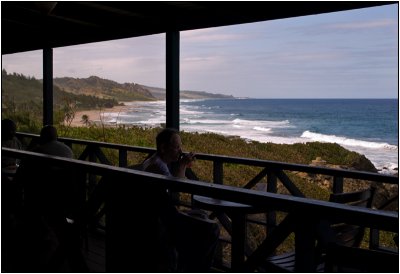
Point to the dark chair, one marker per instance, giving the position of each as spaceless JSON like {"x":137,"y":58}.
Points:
{"x":95,"y":204}
{"x":341,"y":258}
{"x":50,"y":225}
{"x":196,"y":241}
{"x":340,"y":233}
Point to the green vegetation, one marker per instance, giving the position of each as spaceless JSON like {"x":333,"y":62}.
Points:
{"x":22,"y":100}
{"x":103,"y":88}
{"x":18,"y":89}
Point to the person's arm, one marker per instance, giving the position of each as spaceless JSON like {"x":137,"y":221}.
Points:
{"x":184,"y":162}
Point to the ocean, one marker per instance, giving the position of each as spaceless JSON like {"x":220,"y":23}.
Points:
{"x":367,"y":126}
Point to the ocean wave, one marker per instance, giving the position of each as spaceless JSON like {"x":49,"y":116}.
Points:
{"x":265,"y":124}
{"x":262,"y":129}
{"x":191,"y":100}
{"x":346,"y":141}
{"x":203,"y":121}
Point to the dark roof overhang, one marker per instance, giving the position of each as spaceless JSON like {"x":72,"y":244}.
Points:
{"x":36,"y":25}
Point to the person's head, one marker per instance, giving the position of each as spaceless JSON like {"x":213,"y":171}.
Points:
{"x":48,"y":134}
{"x":8,"y":129}
{"x":169,"y":145}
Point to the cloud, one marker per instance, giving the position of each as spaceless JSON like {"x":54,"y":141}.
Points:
{"x":382,"y":23}
{"x":209,"y":36}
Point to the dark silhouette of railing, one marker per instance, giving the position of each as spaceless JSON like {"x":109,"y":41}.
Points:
{"x":274,"y":171}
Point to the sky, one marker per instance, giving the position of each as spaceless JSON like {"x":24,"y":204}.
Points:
{"x":350,"y":54}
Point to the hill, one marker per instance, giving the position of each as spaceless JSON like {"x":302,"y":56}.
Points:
{"x":91,"y":92}
{"x":159,"y":93}
{"x":22,"y":91}
{"x":103,"y":88}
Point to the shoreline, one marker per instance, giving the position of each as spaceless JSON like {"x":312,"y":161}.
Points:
{"x":382,"y":161}
{"x":95,"y":114}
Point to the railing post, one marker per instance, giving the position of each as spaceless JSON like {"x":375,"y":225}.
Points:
{"x":123,"y":157}
{"x":218,"y":172}
{"x":92,"y":178}
{"x":271,"y":215}
{"x":337,"y":184}
{"x":238,"y":240}
{"x":305,"y":233}
{"x":373,"y":238}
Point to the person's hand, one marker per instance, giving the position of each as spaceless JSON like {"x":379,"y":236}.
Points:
{"x":187,"y":159}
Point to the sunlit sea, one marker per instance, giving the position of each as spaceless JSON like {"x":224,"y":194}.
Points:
{"x":367,"y":126}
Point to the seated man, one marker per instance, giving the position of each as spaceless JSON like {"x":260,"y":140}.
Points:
{"x":52,"y":207}
{"x":169,"y":150}
{"x":193,"y":238}
{"x":50,"y":145}
{"x":9,"y":140}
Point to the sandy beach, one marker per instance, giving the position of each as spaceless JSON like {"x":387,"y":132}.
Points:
{"x":94,"y":115}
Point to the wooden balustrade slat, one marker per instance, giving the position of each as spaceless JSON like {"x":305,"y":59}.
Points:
{"x":100,"y":155}
{"x":271,"y":242}
{"x":256,"y":179}
{"x":289,"y":184}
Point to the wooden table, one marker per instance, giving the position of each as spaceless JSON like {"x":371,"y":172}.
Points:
{"x":237,"y":213}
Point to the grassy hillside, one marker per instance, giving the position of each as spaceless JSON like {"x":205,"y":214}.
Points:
{"x":22,"y":100}
{"x":211,"y":143}
{"x":159,"y":93}
{"x":18,"y":89}
{"x":103,"y":88}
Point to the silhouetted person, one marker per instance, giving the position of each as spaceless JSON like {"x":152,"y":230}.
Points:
{"x":48,"y":143}
{"x":52,"y":210}
{"x":8,"y":139}
{"x":11,"y":195}
{"x":190,"y":237}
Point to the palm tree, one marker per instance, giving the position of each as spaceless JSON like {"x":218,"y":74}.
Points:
{"x":85,"y":120}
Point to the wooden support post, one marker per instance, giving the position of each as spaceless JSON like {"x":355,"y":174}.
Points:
{"x":172,"y":79}
{"x":47,"y":86}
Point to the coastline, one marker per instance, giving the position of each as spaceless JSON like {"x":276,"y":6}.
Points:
{"x":95,"y":114}
{"x":201,"y":117}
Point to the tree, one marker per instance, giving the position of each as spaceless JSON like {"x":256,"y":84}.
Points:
{"x":85,"y":120}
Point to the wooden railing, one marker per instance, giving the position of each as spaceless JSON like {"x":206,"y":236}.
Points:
{"x":127,"y":215}
{"x":273,"y":171}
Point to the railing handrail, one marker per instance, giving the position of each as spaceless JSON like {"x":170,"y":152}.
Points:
{"x":385,"y":220}
{"x":362,"y":175}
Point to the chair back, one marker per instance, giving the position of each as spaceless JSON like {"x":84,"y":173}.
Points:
{"x":353,"y":259}
{"x":347,"y":234}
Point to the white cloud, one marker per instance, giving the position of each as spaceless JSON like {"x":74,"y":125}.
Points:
{"x":209,"y":36}
{"x":365,"y":24}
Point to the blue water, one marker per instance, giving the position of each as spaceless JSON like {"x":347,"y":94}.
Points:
{"x":374,"y":120}
{"x":367,"y":126}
